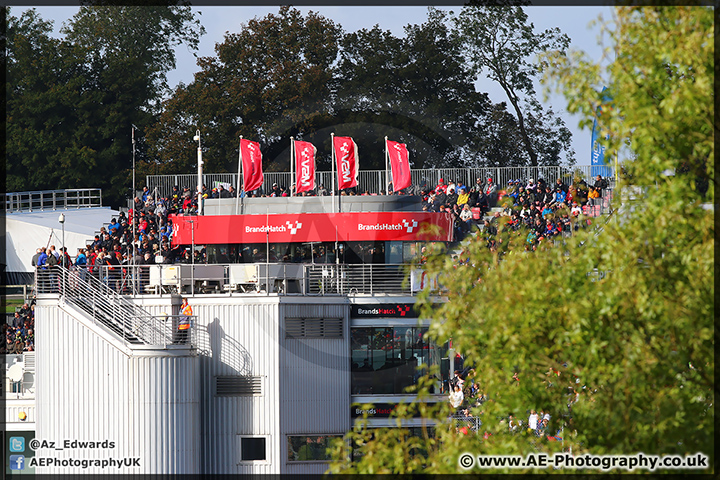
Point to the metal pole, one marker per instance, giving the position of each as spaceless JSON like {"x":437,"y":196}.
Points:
{"x":237,"y":198}
{"x":292,"y":165}
{"x":200,"y":170}
{"x":386,"y":169}
{"x":134,"y":223}
{"x":192,"y":259}
{"x":332,"y":165}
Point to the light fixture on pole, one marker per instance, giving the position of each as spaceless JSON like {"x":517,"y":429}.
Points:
{"x":132,"y":202}
{"x":200,"y":171}
{"x":61,"y":219}
{"x":192,"y":257}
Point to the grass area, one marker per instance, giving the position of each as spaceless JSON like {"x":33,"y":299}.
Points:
{"x":11,"y":303}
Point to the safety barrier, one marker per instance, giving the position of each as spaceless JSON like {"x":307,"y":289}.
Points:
{"x":42,"y":200}
{"x":96,"y":296}
{"x":375,"y":181}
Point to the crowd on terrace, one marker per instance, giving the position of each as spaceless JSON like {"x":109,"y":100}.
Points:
{"x":540,"y":209}
{"x":467,"y":398}
{"x":18,"y":333}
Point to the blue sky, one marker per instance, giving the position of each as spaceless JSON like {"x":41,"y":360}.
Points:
{"x":573,"y":21}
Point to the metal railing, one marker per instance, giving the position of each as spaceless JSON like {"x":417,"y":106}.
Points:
{"x":51,"y":200}
{"x":369,"y":279}
{"x":107,"y":307}
{"x":279,"y":278}
{"x":376,"y":181}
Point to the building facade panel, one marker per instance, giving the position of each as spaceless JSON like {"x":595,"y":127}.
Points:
{"x":133,"y":407}
{"x":239,"y":337}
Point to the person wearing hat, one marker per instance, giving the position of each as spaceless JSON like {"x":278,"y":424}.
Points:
{"x":275,"y":192}
{"x":491,"y":192}
{"x":441,"y":187}
{"x":222,"y":193}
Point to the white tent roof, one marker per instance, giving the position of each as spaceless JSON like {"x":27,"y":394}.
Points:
{"x":26,"y":232}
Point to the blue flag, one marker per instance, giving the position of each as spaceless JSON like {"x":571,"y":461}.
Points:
{"x":597,"y":152}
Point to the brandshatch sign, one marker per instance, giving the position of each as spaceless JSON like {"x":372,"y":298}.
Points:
{"x":383,"y":310}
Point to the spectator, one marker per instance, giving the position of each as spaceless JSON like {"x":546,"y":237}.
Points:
{"x":463,"y":197}
{"x":441,"y":187}
{"x":66,"y":260}
{"x":456,"y":398}
{"x":452,"y":196}
{"x":35,"y":258}
{"x":559,"y":183}
{"x":600,"y":185}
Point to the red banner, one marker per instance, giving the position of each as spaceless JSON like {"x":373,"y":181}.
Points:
{"x":304,"y":166}
{"x":399,"y":165}
{"x":346,"y":158}
{"x":252,"y":165}
{"x":312,"y":227}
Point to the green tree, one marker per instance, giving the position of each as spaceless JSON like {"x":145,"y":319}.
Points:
{"x":269,"y":81}
{"x":417,"y":85}
{"x":72,"y":102}
{"x":500,"y":42}
{"x":628,"y":356}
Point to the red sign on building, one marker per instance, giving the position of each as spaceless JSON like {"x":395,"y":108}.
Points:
{"x":312,"y":227}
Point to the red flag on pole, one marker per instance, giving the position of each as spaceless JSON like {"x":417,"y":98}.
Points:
{"x":399,"y":164}
{"x":252,"y":165}
{"x":304,"y":166}
{"x":346,"y":156}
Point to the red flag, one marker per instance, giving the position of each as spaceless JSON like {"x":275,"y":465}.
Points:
{"x":304,"y":166}
{"x":252,"y":165}
{"x":346,"y":158}
{"x":399,"y":164}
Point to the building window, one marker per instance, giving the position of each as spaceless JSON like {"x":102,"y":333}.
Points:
{"x":310,"y":448}
{"x":253,"y":449}
{"x":385,"y":359}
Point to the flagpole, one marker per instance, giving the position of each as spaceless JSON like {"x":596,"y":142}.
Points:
{"x":387,"y":177}
{"x":292,"y":165}
{"x":237,"y":198}
{"x":332,"y":164}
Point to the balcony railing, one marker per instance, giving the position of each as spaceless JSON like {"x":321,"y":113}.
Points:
{"x":43,"y":200}
{"x":99,"y":296}
{"x":273,"y":278}
{"x":376,"y":181}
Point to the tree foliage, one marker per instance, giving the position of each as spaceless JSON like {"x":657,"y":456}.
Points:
{"x":500,"y":43}
{"x":288,"y":75}
{"x":637,"y":343}
{"x":72,"y":101}
{"x":269,"y":81}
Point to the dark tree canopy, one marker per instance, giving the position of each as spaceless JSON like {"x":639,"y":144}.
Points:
{"x":72,"y":102}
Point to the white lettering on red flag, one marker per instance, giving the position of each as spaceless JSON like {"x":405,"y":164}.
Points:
{"x":346,"y":156}
{"x":399,"y":165}
{"x":252,"y":165}
{"x":304,"y":166}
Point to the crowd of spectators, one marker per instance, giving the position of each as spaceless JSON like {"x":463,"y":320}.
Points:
{"x":540,"y":209}
{"x":467,"y":399}
{"x":18,"y":333}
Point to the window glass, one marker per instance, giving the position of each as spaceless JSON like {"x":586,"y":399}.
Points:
{"x":411,"y":432}
{"x":394,"y":253}
{"x":252,"y":448}
{"x":307,"y":448}
{"x":385,"y":359}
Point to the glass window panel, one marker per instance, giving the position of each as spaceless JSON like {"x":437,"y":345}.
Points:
{"x":252,"y":448}
{"x":309,"y":448}
{"x":384,"y":360}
